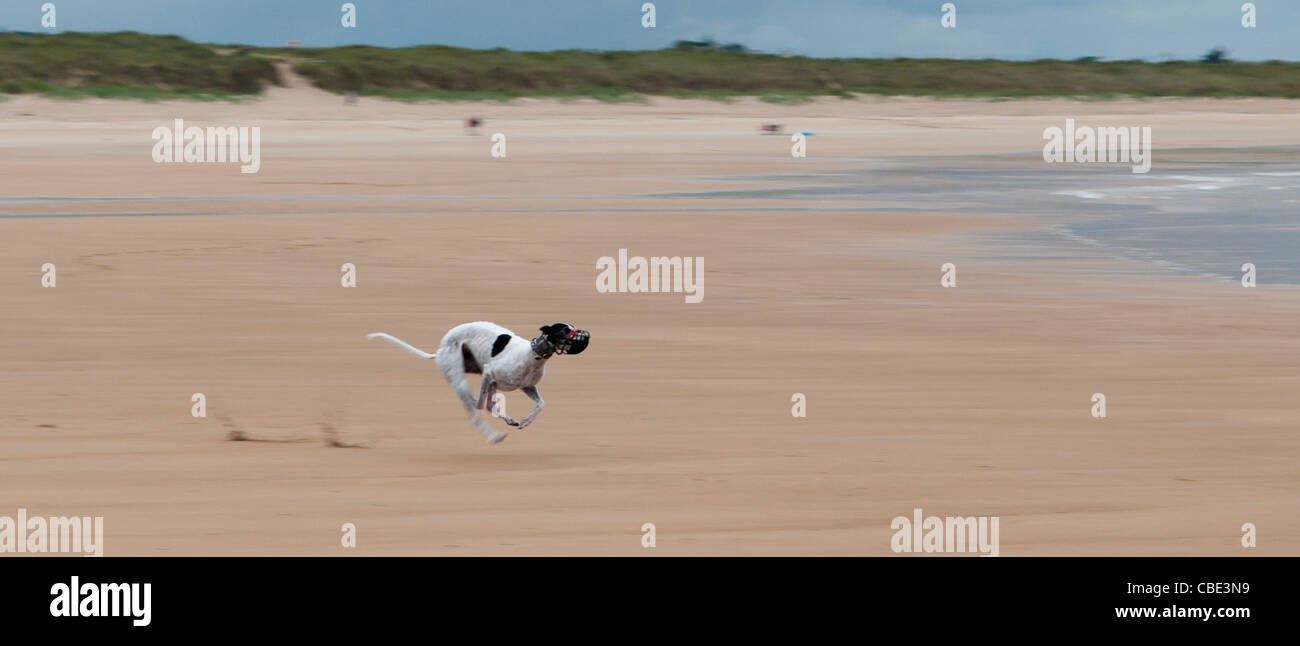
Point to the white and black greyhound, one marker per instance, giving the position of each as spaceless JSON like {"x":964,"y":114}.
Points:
{"x":506,"y":362}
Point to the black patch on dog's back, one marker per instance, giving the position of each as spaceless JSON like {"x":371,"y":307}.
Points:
{"x":500,"y":344}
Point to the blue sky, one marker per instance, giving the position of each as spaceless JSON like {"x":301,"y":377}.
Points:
{"x":1011,"y":29}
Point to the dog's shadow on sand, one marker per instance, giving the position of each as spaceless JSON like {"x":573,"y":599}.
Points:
{"x":329,"y":433}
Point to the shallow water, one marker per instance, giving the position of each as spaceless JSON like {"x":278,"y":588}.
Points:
{"x":1197,"y":211}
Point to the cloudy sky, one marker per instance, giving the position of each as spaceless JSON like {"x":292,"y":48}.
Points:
{"x":1010,"y":29}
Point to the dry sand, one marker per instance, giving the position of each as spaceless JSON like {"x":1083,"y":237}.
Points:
{"x":966,"y":401}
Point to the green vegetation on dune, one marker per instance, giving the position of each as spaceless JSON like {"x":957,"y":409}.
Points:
{"x":117,"y":92}
{"x":720,"y":73}
{"x":136,"y":65}
{"x":127,"y":65}
{"x":609,"y":95}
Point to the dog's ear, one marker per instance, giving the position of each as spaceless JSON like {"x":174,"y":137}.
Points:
{"x":556,"y":329}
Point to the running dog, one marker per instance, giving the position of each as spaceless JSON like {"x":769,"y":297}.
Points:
{"x":506,"y":362}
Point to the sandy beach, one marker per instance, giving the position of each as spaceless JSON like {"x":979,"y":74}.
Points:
{"x":175,"y":279}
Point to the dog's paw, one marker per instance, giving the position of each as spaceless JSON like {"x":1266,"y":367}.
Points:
{"x":510,"y":421}
{"x":496,"y":438}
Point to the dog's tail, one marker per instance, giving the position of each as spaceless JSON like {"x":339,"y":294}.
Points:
{"x":401,"y":344}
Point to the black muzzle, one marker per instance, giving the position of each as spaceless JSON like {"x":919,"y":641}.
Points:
{"x":575,"y":343}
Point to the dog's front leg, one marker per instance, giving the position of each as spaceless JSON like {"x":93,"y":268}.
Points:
{"x":498,"y":410}
{"x":484,"y":391}
{"x":536,"y":396}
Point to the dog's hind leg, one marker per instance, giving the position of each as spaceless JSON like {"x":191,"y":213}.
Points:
{"x":453,"y":368}
{"x":536,"y":396}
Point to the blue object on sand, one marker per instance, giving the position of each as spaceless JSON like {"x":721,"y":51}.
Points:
{"x":808,"y":133}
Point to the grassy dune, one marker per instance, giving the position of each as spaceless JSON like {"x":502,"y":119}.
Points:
{"x":127,"y":65}
{"x":447,"y":70}
{"x":136,"y":65}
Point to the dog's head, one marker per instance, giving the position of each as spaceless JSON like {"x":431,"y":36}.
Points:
{"x":562,"y":338}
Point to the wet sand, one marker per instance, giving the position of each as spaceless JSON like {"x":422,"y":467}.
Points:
{"x":966,"y":401}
